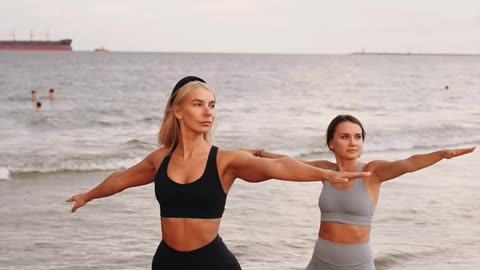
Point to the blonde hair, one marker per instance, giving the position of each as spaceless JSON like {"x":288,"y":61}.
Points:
{"x":169,"y":134}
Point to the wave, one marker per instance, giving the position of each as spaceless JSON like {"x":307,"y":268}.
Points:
{"x":45,"y":121}
{"x":112,"y":121}
{"x":403,"y":257}
{"x":355,"y":107}
{"x":151,"y":119}
{"x":44,"y":160}
{"x":138,"y":145}
{"x":22,"y":99}
{"x":70,"y":166}
{"x":131,"y":151}
{"x":137,"y":142}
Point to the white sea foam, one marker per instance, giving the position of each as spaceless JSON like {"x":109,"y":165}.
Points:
{"x":76,"y":166}
{"x":4,"y":174}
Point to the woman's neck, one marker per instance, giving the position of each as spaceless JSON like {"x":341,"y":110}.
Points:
{"x":188,"y":148}
{"x":347,"y":165}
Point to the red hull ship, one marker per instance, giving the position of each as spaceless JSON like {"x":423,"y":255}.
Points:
{"x":101,"y":49}
{"x":36,"y":45}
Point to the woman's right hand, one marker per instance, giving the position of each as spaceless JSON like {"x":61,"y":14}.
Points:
{"x":79,"y":200}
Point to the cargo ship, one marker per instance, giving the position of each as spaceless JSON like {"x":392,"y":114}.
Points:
{"x":36,"y":45}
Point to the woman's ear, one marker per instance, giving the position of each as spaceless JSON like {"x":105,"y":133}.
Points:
{"x":330,"y":145}
{"x":177,"y":112}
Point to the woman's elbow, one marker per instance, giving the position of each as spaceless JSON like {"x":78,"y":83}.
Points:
{"x":118,"y":183}
{"x":255,"y":180}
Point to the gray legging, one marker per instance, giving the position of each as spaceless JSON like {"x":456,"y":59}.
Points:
{"x":332,"y":256}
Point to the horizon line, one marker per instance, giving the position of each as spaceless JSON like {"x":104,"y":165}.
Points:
{"x":294,"y":53}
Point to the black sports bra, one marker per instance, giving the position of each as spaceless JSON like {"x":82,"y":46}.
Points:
{"x":203,"y":198}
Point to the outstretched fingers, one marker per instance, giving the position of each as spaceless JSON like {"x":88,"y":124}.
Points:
{"x":343,"y":177}
{"x":464,"y":151}
{"x":79,"y":202}
{"x":458,"y":152}
{"x":354,"y":175}
{"x":74,"y":208}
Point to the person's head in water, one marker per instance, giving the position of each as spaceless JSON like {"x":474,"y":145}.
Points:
{"x":35,"y":96}
{"x":38,"y":106}
{"x":51,"y":94}
{"x":187,"y":101}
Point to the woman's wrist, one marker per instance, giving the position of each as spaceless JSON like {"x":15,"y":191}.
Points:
{"x":329,"y":175}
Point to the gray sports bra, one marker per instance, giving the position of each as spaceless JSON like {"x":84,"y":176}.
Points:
{"x":352,"y":206}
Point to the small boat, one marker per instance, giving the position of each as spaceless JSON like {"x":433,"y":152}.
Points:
{"x":101,"y":49}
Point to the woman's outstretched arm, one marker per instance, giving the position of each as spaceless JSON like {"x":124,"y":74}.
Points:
{"x":324,"y":164}
{"x":140,"y":174}
{"x":385,"y":170}
{"x":254,"y":169}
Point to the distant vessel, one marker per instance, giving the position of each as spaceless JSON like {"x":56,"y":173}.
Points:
{"x":101,"y":49}
{"x":35,"y":45}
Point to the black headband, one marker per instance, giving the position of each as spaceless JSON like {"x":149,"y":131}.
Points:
{"x":181,"y":83}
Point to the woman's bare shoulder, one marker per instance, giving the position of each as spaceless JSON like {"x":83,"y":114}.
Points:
{"x":372,"y":165}
{"x":229,"y":156}
{"x":230,"y":153}
{"x":158,"y":155}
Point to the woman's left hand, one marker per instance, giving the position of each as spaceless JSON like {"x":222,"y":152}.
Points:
{"x":448,"y":154}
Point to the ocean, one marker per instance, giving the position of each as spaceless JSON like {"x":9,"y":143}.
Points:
{"x":109,"y":110}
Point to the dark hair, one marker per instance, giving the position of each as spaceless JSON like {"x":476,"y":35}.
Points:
{"x":181,"y":83}
{"x":39,"y":104}
{"x":51,"y":90}
{"x":33,"y":91}
{"x":338,"y":120}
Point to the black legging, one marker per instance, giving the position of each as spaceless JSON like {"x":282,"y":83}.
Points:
{"x":213,"y":256}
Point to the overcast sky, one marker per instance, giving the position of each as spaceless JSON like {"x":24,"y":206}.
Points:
{"x":259,"y":26}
